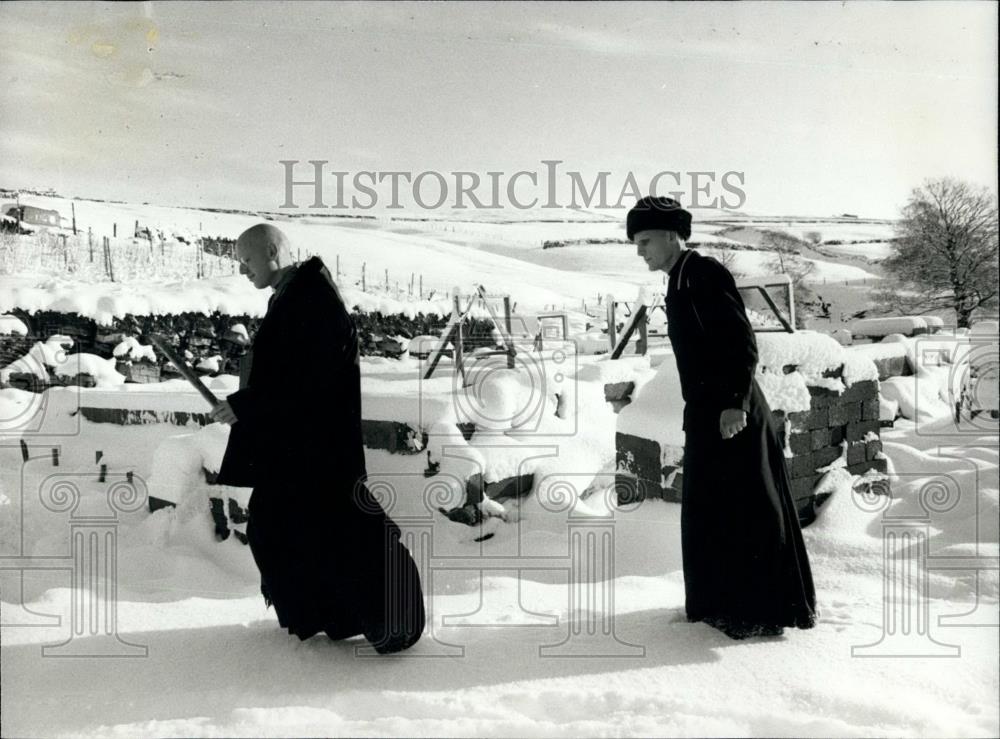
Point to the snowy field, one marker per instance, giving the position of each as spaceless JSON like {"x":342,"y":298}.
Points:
{"x":906,"y":644}
{"x":507,"y":258}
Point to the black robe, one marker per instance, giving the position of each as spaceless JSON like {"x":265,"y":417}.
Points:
{"x":329,"y":556}
{"x":745,"y":563}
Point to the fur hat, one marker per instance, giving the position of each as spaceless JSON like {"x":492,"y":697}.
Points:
{"x":658,"y":213}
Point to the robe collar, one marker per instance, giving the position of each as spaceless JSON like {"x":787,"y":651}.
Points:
{"x":676,"y":272}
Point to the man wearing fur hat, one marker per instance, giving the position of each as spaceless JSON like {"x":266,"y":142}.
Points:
{"x":746,"y":571}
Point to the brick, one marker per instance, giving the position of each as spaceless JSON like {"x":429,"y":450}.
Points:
{"x":823,"y":457}
{"x":844,"y":413}
{"x":510,"y":487}
{"x":219,"y":518}
{"x":799,"y":420}
{"x":818,"y":439}
{"x":618,"y":391}
{"x":821,"y":499}
{"x":864,"y":390}
{"x":156,"y":504}
{"x":801,"y":466}
{"x":816,"y":418}
{"x":82,"y":379}
{"x":879,"y":465}
{"x":835,"y":373}
{"x":857,"y":431}
{"x":802,"y":487}
{"x":871,"y":449}
{"x":819,"y":419}
{"x":639,"y":456}
{"x":892,"y":367}
{"x":821,"y":397}
{"x":855,"y":452}
{"x":800,"y":443}
{"x":675,"y":490}
{"x":631,"y":489}
{"x":237,"y":514}
{"x":870,"y":410}
{"x":806,"y":510}
{"x":836,"y":435}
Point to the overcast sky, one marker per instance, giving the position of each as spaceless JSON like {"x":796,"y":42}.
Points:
{"x":825,"y":108}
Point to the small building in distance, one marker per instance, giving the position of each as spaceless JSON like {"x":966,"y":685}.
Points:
{"x":33,"y":216}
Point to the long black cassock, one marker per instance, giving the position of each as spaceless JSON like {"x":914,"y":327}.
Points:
{"x":745,"y":562}
{"x":329,"y":556}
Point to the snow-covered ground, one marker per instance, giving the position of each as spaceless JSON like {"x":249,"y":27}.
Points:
{"x":209,"y":659}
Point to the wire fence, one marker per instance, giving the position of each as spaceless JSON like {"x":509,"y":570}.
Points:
{"x":88,"y":258}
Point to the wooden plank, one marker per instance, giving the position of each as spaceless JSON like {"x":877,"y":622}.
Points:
{"x":638,"y":315}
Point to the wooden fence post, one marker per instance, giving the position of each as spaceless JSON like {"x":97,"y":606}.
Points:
{"x":507,"y":325}
{"x":108,"y":264}
{"x":73,"y":207}
{"x":459,"y":336}
{"x":612,"y":328}
{"x":363,"y":286}
{"x":90,"y":243}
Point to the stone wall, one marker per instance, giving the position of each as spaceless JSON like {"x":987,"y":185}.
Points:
{"x":836,"y":424}
{"x":204,"y":336}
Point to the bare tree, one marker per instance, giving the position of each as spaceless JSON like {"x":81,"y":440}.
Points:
{"x":727,"y":257}
{"x":945,"y":254}
{"x":787,"y":260}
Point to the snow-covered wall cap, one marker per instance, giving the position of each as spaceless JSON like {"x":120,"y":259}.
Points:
{"x":812,"y":354}
{"x":232,"y":295}
{"x":906,"y":325}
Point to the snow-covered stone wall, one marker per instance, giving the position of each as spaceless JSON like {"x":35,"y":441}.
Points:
{"x":213,"y":344}
{"x":825,"y":405}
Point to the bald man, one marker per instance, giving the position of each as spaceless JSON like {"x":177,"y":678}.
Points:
{"x":329,"y":556}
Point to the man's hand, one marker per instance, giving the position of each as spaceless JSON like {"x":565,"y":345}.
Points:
{"x":731,"y":422}
{"x":223,"y":413}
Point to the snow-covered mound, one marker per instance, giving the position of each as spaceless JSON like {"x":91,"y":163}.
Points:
{"x":129,"y":348}
{"x":12,"y":326}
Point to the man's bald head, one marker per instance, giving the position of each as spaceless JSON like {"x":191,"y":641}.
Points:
{"x":263,"y":252}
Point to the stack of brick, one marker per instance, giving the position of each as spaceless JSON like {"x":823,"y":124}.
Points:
{"x":836,"y":425}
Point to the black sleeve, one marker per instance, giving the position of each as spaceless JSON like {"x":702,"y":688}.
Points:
{"x":314,"y":352}
{"x":733,"y":347}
